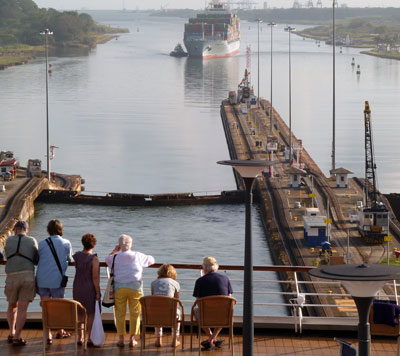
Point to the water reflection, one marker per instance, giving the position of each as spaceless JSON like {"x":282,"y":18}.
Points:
{"x":210,"y":80}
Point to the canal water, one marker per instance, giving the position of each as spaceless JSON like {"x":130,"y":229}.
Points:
{"x":130,"y":118}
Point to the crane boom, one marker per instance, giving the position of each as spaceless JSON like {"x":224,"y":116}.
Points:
{"x":370,"y":181}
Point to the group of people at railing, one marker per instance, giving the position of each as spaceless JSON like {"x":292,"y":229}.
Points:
{"x":52,"y":255}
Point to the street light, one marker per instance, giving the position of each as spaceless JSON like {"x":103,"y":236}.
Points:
{"x":290,"y":29}
{"x":363,"y":282}
{"x":334,"y":4}
{"x":258,"y":60}
{"x":271,"y":109}
{"x":46,"y":33}
{"x":249,"y":170}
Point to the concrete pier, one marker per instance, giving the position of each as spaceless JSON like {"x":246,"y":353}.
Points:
{"x":283,"y":207}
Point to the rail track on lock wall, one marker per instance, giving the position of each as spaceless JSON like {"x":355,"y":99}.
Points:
{"x":289,"y":243}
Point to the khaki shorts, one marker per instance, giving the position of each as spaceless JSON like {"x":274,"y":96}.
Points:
{"x":20,"y":286}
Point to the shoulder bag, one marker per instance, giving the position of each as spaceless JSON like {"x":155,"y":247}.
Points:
{"x":108,"y":299}
{"x":64,"y":279}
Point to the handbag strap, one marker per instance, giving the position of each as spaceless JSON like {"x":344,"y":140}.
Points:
{"x":112,"y":266}
{"x":53,"y":251}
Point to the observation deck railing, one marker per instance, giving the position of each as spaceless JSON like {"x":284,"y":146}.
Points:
{"x":275,"y":305}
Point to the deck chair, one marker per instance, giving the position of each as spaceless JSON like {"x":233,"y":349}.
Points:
{"x":63,"y":314}
{"x":213,"y":312}
{"x":345,"y":348}
{"x":160,"y":311}
{"x":384,"y":330}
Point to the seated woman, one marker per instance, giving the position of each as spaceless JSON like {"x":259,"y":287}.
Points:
{"x":167,"y":285}
{"x":128,"y":270}
{"x":87,"y":280}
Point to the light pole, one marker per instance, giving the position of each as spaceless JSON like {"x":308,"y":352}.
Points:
{"x":258,"y":60}
{"x":271,"y":109}
{"x":249,"y":170}
{"x":290,"y":29}
{"x":46,"y":33}
{"x":334,"y":3}
{"x":363,"y":282}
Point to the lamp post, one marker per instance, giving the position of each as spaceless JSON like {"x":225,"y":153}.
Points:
{"x":334,"y":3}
{"x":46,"y":33}
{"x":271,"y":109}
{"x":258,"y":61}
{"x":290,"y":29}
{"x":363,"y":282}
{"x":249,"y":170}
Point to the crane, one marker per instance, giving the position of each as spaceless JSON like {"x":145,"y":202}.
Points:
{"x":374,"y":216}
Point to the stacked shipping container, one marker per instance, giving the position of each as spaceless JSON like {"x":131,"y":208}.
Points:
{"x":219,"y":26}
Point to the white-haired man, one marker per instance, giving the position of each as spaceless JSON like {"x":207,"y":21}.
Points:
{"x":212,"y":283}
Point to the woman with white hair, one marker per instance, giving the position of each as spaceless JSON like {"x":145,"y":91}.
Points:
{"x":128,"y":270}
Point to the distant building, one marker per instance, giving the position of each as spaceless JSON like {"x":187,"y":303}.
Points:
{"x":341,"y":175}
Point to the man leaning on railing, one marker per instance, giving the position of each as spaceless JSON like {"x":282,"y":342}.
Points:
{"x":22,"y":254}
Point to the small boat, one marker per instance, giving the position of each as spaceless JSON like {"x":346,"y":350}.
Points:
{"x":178,"y":51}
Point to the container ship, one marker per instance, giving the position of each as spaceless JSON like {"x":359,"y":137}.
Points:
{"x":212,"y":34}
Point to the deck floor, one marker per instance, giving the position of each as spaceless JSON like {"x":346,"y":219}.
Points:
{"x":276,"y":344}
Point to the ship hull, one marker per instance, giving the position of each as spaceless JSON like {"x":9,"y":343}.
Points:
{"x":208,"y":49}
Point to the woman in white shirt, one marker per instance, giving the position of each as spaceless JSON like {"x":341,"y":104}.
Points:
{"x":128,"y":269}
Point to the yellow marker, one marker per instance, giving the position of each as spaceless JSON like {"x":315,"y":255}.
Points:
{"x":256,"y":127}
{"x":312,"y":195}
{"x":259,"y":135}
{"x":387,"y":238}
{"x":328,"y":221}
{"x":277,"y":131}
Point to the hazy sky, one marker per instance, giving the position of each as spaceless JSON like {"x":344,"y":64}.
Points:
{"x":194,"y":4}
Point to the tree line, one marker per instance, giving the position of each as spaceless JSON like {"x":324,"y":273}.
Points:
{"x":22,"y":20}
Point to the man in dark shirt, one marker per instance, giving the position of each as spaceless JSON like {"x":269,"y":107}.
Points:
{"x":212,"y":283}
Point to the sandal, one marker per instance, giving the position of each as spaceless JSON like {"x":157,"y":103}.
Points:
{"x":219,"y":343}
{"x":64,"y":335}
{"x":19,"y":342}
{"x":206,"y":344}
{"x":132,"y":343}
{"x":10,"y":339}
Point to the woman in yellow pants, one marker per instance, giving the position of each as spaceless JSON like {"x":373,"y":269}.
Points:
{"x":128,"y":270}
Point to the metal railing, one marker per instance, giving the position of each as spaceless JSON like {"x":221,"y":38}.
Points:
{"x":291,"y":298}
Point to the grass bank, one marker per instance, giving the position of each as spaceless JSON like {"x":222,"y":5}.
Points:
{"x":21,"y":54}
{"x":375,"y":53}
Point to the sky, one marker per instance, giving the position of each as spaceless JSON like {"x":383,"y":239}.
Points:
{"x":193,"y":4}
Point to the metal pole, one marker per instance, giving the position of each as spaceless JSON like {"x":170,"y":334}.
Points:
{"x":271,"y":108}
{"x":258,"y":62}
{"x":47,"y":108}
{"x":46,"y":33}
{"x":290,"y":102}
{"x":334,"y":87}
{"x":364,"y":336}
{"x":248,"y":326}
